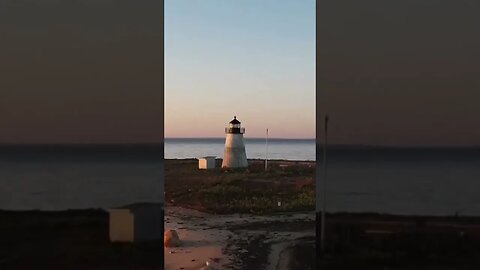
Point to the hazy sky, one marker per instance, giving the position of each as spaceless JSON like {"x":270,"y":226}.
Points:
{"x":80,"y":71}
{"x":402,"y":72}
{"x":249,"y":58}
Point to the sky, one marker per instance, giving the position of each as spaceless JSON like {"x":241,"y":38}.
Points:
{"x":251,"y":59}
{"x":83,"y":71}
{"x":401,"y":73}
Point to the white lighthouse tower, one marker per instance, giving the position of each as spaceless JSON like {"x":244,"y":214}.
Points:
{"x":235,"y":155}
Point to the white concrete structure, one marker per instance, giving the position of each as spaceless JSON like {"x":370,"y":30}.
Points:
{"x":207,"y":162}
{"x":139,"y":222}
{"x":234,"y":155}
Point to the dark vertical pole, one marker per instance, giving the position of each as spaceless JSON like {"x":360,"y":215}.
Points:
{"x":266,"y":150}
{"x":324,"y":197}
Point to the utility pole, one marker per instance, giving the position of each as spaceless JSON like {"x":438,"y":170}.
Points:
{"x":324,"y":201}
{"x":266,"y":151}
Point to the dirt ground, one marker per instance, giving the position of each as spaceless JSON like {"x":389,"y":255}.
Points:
{"x":240,"y":241}
{"x":377,"y":241}
{"x":78,"y":239}
{"x":74,"y":239}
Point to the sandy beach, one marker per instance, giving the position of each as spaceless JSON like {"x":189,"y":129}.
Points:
{"x":236,"y":241}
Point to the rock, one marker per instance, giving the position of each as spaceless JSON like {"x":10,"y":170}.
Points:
{"x":170,"y":238}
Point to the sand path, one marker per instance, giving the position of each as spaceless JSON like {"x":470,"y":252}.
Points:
{"x":216,"y":239}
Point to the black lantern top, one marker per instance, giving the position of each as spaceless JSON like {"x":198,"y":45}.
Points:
{"x":234,"y":121}
{"x":235,"y":127}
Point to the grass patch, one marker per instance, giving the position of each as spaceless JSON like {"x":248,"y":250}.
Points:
{"x":240,"y":197}
{"x":251,"y":190}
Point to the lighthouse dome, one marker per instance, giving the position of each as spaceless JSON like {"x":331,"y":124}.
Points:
{"x":234,"y":121}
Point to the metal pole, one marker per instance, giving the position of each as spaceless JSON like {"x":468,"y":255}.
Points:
{"x":324,"y":201}
{"x":266,"y":151}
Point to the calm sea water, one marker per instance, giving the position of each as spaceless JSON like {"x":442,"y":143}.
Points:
{"x":408,"y":181}
{"x":76,"y":178}
{"x":291,"y":149}
{"x":403,"y":181}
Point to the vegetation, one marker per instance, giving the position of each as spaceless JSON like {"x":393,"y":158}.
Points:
{"x":251,"y":190}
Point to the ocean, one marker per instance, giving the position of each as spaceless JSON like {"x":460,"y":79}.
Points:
{"x":79,"y":177}
{"x":436,"y":181}
{"x":290,"y":149}
{"x":428,"y":181}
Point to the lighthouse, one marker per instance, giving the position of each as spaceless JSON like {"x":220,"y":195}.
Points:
{"x":234,"y":155}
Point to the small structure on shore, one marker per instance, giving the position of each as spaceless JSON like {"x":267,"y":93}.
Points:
{"x":205,"y":163}
{"x":234,"y":155}
{"x":141,"y":222}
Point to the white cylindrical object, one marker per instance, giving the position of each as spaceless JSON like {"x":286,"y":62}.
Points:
{"x":234,"y":155}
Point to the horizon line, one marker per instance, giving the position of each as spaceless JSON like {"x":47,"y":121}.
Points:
{"x":282,"y":138}
{"x":318,"y":143}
